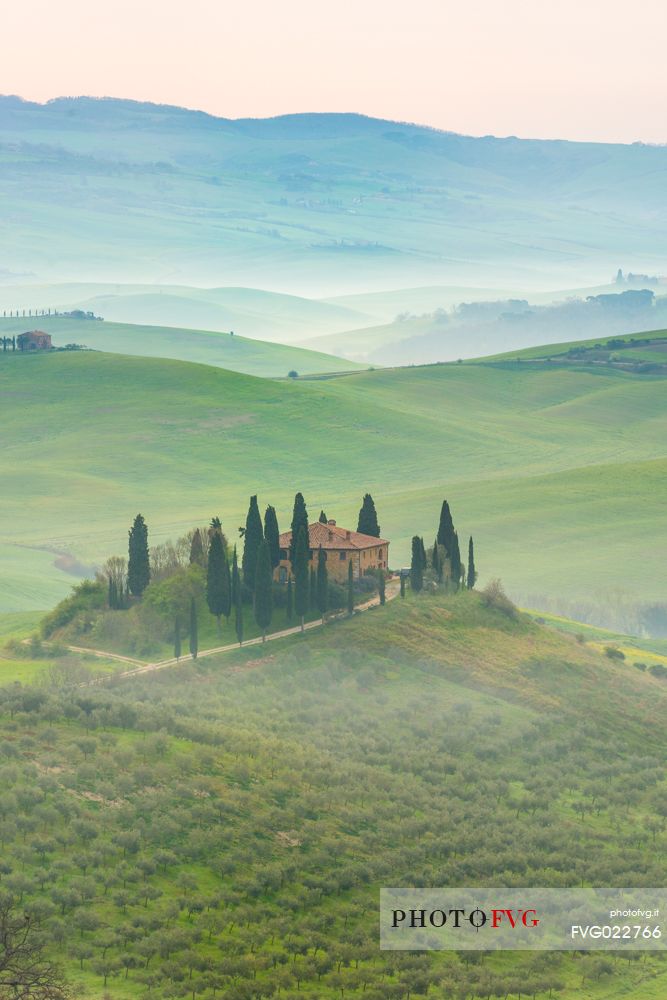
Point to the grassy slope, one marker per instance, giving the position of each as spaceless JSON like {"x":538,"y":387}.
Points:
{"x":378,"y":743}
{"x":250,"y":312}
{"x":252,"y":357}
{"x":558,"y":473}
{"x":554,"y":350}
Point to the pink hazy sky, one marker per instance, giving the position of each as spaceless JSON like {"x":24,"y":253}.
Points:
{"x":578,"y":69}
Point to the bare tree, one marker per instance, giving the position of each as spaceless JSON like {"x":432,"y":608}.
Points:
{"x":25,"y":974}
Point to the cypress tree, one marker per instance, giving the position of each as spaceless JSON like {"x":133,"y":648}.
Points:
{"x":238,"y":609}
{"x":299,"y":520}
{"x":138,"y":566}
{"x":350,"y":588}
{"x":402,"y":585}
{"x":236,"y":579}
{"x":423,"y":554}
{"x":322,"y":583}
{"x":217,"y":580}
{"x":226,"y":585}
{"x":272,"y":535}
{"x":472,"y":572}
{"x":290,"y":599}
{"x":263,"y":597}
{"x":252,"y":539}
{"x":121,"y":597}
{"x":312,"y":596}
{"x":323,"y":518}
{"x":382,"y":587}
{"x":177,"y":639}
{"x":455,"y":562}
{"x":194,"y":637}
{"x":197,"y":554}
{"x":436,"y":563}
{"x":417,"y":565}
{"x":300,"y":567}
{"x":446,"y":529}
{"x":368,"y":521}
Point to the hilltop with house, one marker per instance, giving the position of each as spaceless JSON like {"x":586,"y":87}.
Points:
{"x":341,"y":546}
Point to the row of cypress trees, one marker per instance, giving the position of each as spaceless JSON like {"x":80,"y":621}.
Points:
{"x":444,"y":558}
{"x":307,"y":588}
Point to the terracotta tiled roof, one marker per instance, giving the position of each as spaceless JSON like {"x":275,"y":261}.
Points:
{"x":330,"y":536}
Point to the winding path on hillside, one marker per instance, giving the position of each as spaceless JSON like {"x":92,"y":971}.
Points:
{"x":139,"y":667}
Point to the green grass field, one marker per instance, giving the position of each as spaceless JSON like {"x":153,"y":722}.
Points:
{"x":251,"y":357}
{"x":649,"y":353}
{"x":557,"y":472}
{"x":227,"y":825}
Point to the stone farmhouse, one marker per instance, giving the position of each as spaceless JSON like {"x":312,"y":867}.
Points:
{"x":341,"y":547}
{"x":34,"y":340}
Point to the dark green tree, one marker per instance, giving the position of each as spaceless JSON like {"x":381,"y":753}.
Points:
{"x":368,"y":521}
{"x":423,"y":554}
{"x":218,"y":582}
{"x":417,"y":565}
{"x":235,"y":578}
{"x":350,"y":588}
{"x":194,"y":637}
{"x":455,"y":562}
{"x":252,"y":539}
{"x":238,"y":610}
{"x":323,"y":518}
{"x":299,"y":520}
{"x":272,"y":535}
{"x":382,"y":587}
{"x":312,"y":596}
{"x":197,"y":554}
{"x":436,"y":562}
{"x":177,"y":639}
{"x":138,"y":566}
{"x":263,"y":597}
{"x":322,"y":583}
{"x":446,"y":529}
{"x":472,"y":572}
{"x":301,"y":577}
{"x":290,"y":599}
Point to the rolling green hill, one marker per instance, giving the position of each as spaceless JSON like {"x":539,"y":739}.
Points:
{"x":478,"y":329}
{"x":558,"y":472}
{"x":225,"y":826}
{"x":556,"y":351}
{"x":314,"y":204}
{"x":250,"y":312}
{"x":240,"y":354}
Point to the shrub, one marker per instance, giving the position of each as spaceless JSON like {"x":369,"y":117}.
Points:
{"x":639,"y":665}
{"x":494,"y":596}
{"x":658,"y":671}
{"x":613,"y":653}
{"x":337,"y":595}
{"x":171,"y":596}
{"x":88,"y":596}
{"x":366,"y":584}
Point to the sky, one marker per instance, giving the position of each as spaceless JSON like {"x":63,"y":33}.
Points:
{"x":575,"y":69}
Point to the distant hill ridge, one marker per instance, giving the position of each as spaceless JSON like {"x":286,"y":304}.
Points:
{"x":314,"y":203}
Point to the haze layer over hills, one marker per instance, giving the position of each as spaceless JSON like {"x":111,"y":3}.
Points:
{"x":315,"y":204}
